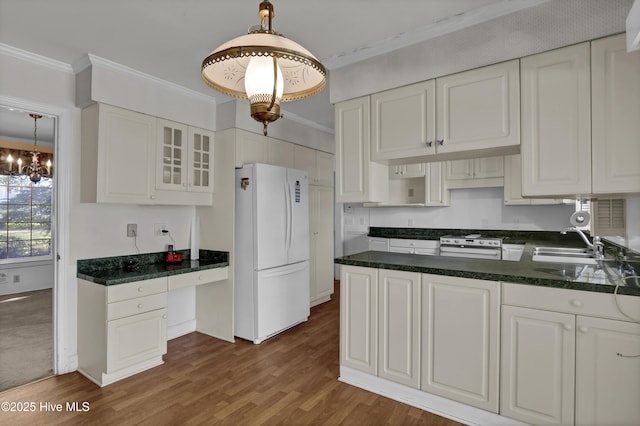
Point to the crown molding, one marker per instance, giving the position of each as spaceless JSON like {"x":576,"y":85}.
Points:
{"x":428,"y":32}
{"x":93,"y":60}
{"x":34,"y":58}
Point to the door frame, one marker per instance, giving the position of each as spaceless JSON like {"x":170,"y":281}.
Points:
{"x":63,"y":308}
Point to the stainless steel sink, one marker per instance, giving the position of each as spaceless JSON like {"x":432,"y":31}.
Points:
{"x":564,"y":255}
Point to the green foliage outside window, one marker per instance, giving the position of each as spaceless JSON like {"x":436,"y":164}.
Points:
{"x":25,"y":217}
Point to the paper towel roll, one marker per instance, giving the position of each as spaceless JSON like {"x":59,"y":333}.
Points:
{"x":195,"y":238}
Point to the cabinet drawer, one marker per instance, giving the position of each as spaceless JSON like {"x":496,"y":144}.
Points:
{"x":425,"y":244}
{"x":197,"y":278}
{"x":136,"y":289}
{"x":136,"y":306}
{"x":571,"y":301}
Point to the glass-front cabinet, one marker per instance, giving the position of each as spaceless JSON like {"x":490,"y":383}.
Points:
{"x":185,"y":158}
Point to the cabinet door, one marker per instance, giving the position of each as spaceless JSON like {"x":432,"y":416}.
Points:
{"x":436,"y":189}
{"x":126,"y":156}
{"x":359,"y":318}
{"x":357,"y":178}
{"x":305,"y":159}
{"x":136,"y":339}
{"x":251,"y":148}
{"x":488,"y":167}
{"x":556,"y":122}
{"x":460,"y":339}
{"x":171,"y":172}
{"x":200,"y":160}
{"x":324,"y":169}
{"x":459,"y":169}
{"x":399,"y":327}
{"x":479,"y":109}
{"x":538,"y":361}
{"x":321,"y":225}
{"x":403,"y":121}
{"x":615,"y":79}
{"x":281,"y":153}
{"x":607,"y":372}
{"x":513,"y":184}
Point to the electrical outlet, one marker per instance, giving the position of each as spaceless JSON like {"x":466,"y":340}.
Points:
{"x":132,"y":230}
{"x":158,"y":228}
{"x":16,"y":279}
{"x":3,"y":278}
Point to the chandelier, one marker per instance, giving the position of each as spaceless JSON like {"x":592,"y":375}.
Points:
{"x":33,"y":170}
{"x":264,"y":67}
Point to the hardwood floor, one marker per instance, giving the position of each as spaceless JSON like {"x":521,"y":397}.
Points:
{"x":289,"y":379}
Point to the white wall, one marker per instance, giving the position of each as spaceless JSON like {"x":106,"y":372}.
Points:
{"x":93,"y":230}
{"x":30,"y":276}
{"x":481,"y":208}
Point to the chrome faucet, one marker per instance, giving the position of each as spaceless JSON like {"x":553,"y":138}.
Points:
{"x":597,"y":246}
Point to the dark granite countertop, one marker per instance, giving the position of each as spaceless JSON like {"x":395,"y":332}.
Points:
{"x":602,"y":277}
{"x":125,"y":269}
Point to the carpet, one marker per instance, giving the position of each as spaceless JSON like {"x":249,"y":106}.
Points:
{"x":26,"y":337}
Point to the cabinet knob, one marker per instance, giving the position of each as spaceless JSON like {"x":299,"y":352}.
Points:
{"x":429,"y":144}
{"x":440,"y":142}
{"x":184,"y":184}
{"x":139,"y":305}
{"x":583,"y":329}
{"x":164,"y":316}
{"x":140,"y":289}
{"x":200,"y":277}
{"x":577,"y":303}
{"x":153,"y":197}
{"x":568,"y":327}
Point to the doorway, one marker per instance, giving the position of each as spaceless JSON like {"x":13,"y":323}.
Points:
{"x":27,"y":246}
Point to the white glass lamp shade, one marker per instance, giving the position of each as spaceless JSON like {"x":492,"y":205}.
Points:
{"x":224,"y":69}
{"x":258,"y":80}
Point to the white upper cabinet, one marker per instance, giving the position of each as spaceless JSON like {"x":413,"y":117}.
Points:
{"x":479,"y":109}
{"x":118,"y":156}
{"x":358,"y":179}
{"x":476,"y":110}
{"x":579,"y":128}
{"x":251,"y":148}
{"x":171,"y":169}
{"x":513,"y":184}
{"x":403,"y":122}
{"x":615,"y":97}
{"x":281,"y":153}
{"x":318,"y":164}
{"x":556,"y":122}
{"x":185,"y":158}
{"x":475,"y":173}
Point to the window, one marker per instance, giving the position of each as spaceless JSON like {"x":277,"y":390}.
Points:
{"x":25,"y":219}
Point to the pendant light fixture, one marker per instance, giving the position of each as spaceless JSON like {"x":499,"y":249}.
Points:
{"x":264,"y":67}
{"x":34,"y":170}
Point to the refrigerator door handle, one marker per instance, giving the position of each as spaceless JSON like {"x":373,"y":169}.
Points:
{"x":289,"y":216}
{"x":286,"y":217}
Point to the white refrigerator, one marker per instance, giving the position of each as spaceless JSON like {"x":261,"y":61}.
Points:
{"x":271,"y":252}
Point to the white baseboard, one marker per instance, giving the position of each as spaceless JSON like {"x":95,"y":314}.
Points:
{"x":181,"y":329}
{"x":443,"y":407}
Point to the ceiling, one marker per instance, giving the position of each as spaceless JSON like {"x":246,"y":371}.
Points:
{"x":169,"y":38}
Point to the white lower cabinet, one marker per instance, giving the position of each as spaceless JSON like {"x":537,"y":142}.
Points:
{"x":532,"y":354}
{"x":121,"y":328}
{"x":607,"y":372}
{"x":538,"y":351}
{"x":399,"y":327}
{"x":359,"y":318}
{"x":569,"y":357}
{"x":461,"y":339}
